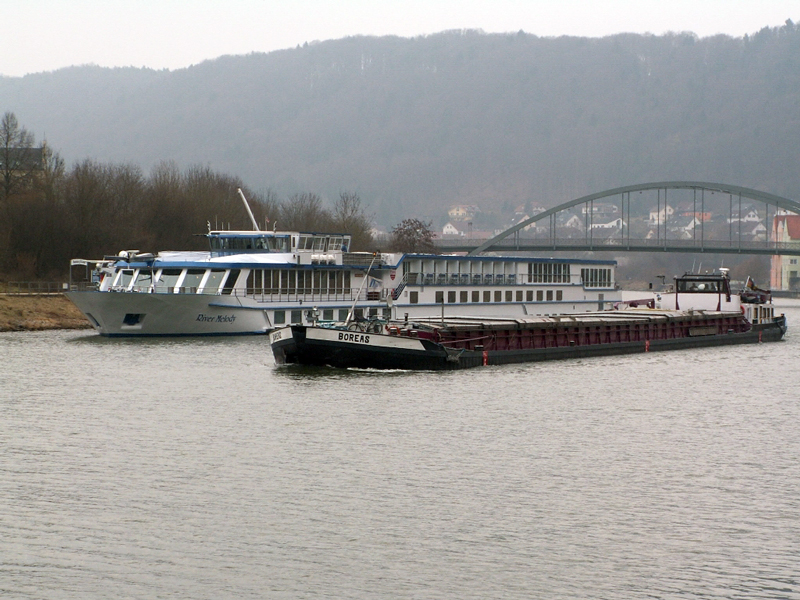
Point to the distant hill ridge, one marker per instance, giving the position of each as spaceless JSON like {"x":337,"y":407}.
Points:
{"x":415,"y":125}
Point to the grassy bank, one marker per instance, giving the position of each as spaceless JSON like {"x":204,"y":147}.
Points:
{"x":36,"y":313}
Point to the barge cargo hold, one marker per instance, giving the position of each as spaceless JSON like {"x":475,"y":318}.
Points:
{"x":459,"y":343}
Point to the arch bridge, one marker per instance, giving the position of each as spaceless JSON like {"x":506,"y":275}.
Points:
{"x":715,"y":217}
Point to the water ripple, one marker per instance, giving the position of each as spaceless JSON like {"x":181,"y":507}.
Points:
{"x":198,"y":469}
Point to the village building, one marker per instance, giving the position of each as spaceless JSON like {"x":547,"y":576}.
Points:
{"x":571,"y":222}
{"x":661,"y":215}
{"x":451,"y":230}
{"x":613,"y":224}
{"x":749,"y":215}
{"x":600,"y":208}
{"x":684,"y":226}
{"x":784,"y":269}
{"x":462,"y":212}
{"x":703,"y":217}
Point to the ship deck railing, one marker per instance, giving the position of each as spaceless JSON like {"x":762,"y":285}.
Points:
{"x":511,"y":279}
{"x":33,"y":288}
{"x":258,"y":294}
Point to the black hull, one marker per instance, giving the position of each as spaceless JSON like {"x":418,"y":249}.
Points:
{"x":432,"y":356}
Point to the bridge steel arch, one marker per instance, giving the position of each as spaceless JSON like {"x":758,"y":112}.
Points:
{"x":741,"y":192}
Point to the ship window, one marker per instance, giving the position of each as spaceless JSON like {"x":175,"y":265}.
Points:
{"x":509,"y":295}
{"x":303,"y":282}
{"x":317,"y":281}
{"x":280,"y":317}
{"x":549,"y":295}
{"x":124,"y":278}
{"x":559,"y":295}
{"x":144,"y":279}
{"x":168,"y":279}
{"x":193,"y":279}
{"x":254,"y":281}
{"x":487,"y":296}
{"x":231,"y":281}
{"x":214,"y":280}
{"x":414,"y":298}
{"x":327,"y":314}
{"x":451,"y":297}
{"x":476,"y":296}
{"x":342,"y":314}
{"x":297,"y":316}
{"x":439,"y":297}
{"x":519,"y":295}
{"x":272,"y":280}
{"x":387,"y":313}
{"x":498,"y":296}
{"x":539,"y":295}
{"x":464,"y":296}
{"x":529,"y":295}
{"x":131,"y":319}
{"x":281,"y":244}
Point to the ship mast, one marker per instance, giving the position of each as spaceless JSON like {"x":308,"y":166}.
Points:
{"x":247,"y":207}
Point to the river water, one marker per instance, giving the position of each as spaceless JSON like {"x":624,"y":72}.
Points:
{"x":192,"y":468}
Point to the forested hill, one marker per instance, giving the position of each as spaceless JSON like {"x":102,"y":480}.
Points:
{"x":414,"y":125}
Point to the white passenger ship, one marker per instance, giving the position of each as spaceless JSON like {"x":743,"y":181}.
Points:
{"x":251,"y":282}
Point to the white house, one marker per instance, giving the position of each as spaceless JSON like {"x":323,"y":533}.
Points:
{"x":748,"y":216}
{"x":616,"y":224}
{"x":600,"y":208}
{"x":661,"y":215}
{"x":684,"y":224}
{"x":575,"y":222}
{"x":757,"y":231}
{"x":450,"y":229}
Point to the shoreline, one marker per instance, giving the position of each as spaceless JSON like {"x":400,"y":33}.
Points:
{"x":46,"y":312}
{"x":39,"y":313}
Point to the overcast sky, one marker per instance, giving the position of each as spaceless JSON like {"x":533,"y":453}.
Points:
{"x":44,"y":35}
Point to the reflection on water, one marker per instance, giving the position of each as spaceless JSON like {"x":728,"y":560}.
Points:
{"x":196,"y":468}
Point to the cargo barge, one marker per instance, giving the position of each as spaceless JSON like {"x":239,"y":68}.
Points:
{"x":465,"y":342}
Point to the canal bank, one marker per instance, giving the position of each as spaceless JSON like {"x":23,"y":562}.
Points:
{"x":39,"y":312}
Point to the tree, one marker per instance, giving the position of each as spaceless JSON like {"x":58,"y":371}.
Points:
{"x":349,"y":217}
{"x":304,"y":212}
{"x":18,"y":158}
{"x":413,"y":235}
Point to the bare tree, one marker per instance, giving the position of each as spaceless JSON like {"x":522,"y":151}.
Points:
{"x":266,"y":207}
{"x":349,"y":217}
{"x":18,"y":158}
{"x":304,"y":212}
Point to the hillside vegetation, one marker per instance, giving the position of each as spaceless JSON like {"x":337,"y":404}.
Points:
{"x":414,"y":125}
